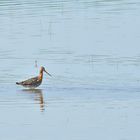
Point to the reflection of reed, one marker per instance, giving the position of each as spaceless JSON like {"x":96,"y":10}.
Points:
{"x":38,"y":96}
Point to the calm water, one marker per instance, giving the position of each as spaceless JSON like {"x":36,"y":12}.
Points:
{"x":92,"y":49}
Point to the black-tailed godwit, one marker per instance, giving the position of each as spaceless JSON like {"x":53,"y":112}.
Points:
{"x":35,"y":81}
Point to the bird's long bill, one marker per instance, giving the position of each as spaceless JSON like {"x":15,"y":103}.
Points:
{"x":47,"y":73}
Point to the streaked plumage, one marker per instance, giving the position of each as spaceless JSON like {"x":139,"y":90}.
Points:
{"x":35,"y":81}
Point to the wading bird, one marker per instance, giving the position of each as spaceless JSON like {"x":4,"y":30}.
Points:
{"x":35,"y":81}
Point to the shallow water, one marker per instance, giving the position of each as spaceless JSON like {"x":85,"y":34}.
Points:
{"x":91,"y":48}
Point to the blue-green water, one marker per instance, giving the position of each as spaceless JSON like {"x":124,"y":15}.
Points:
{"x":92,"y":50}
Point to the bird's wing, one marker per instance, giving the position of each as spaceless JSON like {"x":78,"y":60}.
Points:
{"x":30,"y":81}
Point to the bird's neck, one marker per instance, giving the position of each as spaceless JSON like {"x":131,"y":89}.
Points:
{"x":40,"y":76}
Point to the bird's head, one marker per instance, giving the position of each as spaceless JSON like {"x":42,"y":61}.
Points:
{"x":43,"y":69}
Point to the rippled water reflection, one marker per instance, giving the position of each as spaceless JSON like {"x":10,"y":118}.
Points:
{"x":91,"y":47}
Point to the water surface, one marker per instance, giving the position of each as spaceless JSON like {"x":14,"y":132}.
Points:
{"x":91,"y":48}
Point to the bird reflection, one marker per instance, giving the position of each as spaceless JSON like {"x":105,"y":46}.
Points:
{"x":38,"y":96}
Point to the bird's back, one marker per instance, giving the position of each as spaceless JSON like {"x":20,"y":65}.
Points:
{"x":31,"y":83}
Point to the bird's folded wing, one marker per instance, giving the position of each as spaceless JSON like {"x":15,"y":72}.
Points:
{"x":30,"y":81}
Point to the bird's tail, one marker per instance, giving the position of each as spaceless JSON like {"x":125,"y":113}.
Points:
{"x":17,"y":83}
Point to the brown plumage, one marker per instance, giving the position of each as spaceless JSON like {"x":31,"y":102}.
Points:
{"x":35,"y":81}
